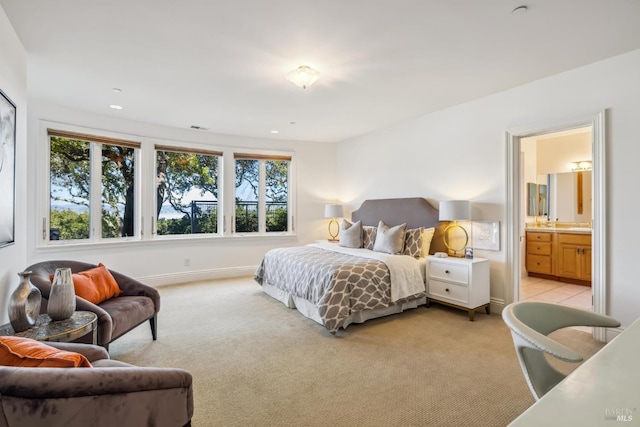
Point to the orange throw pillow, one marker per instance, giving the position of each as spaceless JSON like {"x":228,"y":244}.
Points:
{"x":28,"y":353}
{"x":96,"y":284}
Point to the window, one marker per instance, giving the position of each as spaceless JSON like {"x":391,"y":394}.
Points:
{"x":186,"y":191}
{"x":262,"y":196}
{"x":92,"y":186}
{"x":104,"y":189}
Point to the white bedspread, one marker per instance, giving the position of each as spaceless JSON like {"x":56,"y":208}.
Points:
{"x":406,"y":278}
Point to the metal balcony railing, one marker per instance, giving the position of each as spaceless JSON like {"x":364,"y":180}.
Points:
{"x":246,"y":215}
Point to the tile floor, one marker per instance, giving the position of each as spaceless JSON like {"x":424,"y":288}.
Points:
{"x":535,"y":289}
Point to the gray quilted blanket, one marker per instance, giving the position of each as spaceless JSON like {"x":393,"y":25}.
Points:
{"x":337,"y":284}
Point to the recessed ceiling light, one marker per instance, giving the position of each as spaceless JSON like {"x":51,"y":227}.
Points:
{"x":117,"y":90}
{"x":519,"y":10}
{"x":116,"y":107}
{"x":275,"y":131}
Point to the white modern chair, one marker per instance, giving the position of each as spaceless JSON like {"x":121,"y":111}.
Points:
{"x":530,"y":323}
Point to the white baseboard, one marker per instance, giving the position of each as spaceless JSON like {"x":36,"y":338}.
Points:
{"x":496,"y":305}
{"x":196,"y":276}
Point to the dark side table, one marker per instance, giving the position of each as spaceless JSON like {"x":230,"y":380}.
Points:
{"x":78,"y":325}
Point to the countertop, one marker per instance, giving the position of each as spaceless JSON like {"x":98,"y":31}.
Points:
{"x":570,"y":230}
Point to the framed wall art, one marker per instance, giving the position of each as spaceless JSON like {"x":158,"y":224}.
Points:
{"x":485,"y":235}
{"x":7,"y":169}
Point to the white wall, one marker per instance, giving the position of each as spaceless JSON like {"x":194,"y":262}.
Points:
{"x":459,"y":153}
{"x":13,"y":82}
{"x":555,"y":155}
{"x":162,"y":262}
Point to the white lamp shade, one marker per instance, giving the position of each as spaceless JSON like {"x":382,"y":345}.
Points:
{"x":333,"y":211}
{"x":455,"y":210}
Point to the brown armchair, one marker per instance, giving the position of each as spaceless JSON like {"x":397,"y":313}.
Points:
{"x":111,"y":393}
{"x":117,"y":316}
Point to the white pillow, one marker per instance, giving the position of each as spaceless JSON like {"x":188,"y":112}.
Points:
{"x":427,"y":236}
{"x":389,"y":239}
{"x":350,"y":234}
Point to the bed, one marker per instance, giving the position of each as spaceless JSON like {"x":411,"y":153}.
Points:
{"x":336,"y":286}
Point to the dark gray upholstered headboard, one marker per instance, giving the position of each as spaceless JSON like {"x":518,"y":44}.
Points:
{"x":415,"y":211}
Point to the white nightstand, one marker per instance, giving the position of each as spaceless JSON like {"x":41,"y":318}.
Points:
{"x":459,"y":282}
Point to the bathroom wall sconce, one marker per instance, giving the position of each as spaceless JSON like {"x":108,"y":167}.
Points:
{"x":584,"y":165}
{"x":454,"y":211}
{"x":333,"y":211}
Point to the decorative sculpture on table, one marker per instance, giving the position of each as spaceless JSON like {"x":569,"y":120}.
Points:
{"x":62,"y":299}
{"x":24,"y":305}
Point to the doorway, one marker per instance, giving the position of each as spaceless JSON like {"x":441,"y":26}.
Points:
{"x":516,"y":198}
{"x":556,"y":243}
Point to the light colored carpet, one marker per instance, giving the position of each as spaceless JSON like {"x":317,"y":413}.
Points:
{"x":257,"y":363}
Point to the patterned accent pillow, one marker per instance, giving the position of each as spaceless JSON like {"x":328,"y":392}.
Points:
{"x":413,"y":242}
{"x":369,"y":236}
{"x":350,"y":234}
{"x":427,"y":236}
{"x":389,"y":239}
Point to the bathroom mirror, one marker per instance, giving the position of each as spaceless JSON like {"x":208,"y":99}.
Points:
{"x":537,"y":199}
{"x":569,"y":196}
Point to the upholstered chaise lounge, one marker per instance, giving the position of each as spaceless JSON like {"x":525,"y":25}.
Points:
{"x":108,"y":394}
{"x":116,"y":316}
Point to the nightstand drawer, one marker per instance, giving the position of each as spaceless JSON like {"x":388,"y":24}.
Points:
{"x":448,"y":291}
{"x":449,"y":272}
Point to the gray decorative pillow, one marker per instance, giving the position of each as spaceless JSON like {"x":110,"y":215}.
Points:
{"x":389,"y":239}
{"x":369,"y":236}
{"x":350,"y":234}
{"x":413,"y":242}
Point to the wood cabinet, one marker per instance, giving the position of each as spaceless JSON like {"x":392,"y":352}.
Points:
{"x":574,"y":256}
{"x":459,"y":282}
{"x":560,"y":256}
{"x":539,"y":252}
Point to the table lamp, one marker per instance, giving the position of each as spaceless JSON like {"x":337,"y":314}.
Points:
{"x":333,"y":211}
{"x":454,"y":211}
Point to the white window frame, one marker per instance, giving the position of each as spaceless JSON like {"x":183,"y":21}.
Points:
{"x":145,"y":194}
{"x":188,"y":148}
{"x":95,"y":193}
{"x":263,"y":157}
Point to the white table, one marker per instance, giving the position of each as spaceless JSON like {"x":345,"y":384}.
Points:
{"x":603,"y":391}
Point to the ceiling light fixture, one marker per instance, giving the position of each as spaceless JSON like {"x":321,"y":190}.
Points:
{"x":116,"y":90}
{"x":116,"y":107}
{"x":303,"y":76}
{"x":275,"y":131}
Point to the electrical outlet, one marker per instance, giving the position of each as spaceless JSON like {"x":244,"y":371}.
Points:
{"x":187,"y":262}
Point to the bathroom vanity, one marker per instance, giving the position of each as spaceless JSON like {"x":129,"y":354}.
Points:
{"x":562,"y":254}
